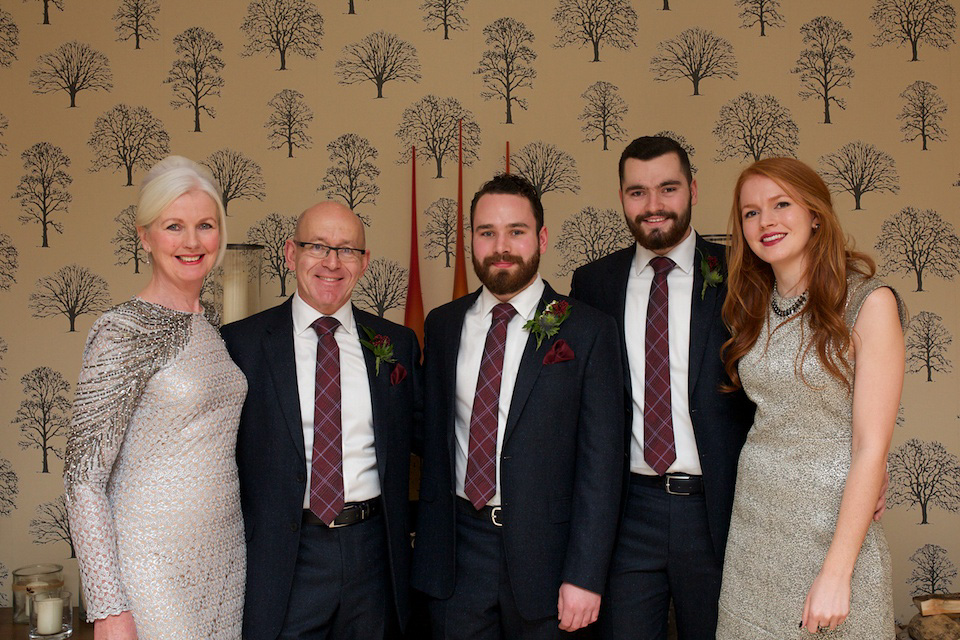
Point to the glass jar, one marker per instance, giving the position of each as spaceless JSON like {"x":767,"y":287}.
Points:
{"x":31,"y":580}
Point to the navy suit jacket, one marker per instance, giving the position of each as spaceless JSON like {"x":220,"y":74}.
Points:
{"x":272,"y":463}
{"x":720,"y":420}
{"x":560,"y":464}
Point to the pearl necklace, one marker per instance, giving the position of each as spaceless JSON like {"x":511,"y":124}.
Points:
{"x":792,"y":309}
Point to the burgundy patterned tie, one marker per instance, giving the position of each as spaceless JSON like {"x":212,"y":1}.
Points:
{"x":480,"y":483}
{"x":659,"y":449}
{"x":326,"y":474}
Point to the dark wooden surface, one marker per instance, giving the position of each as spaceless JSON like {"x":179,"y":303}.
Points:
{"x":10,"y":631}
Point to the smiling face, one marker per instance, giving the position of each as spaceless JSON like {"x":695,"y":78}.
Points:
{"x":327,"y":283}
{"x":506,"y":244}
{"x":776,"y":227}
{"x":657,"y":200}
{"x":183,"y":241}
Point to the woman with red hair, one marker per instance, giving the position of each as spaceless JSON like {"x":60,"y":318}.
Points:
{"x":817,"y":343}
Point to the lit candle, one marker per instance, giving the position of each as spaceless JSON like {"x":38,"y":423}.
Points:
{"x":49,"y":614}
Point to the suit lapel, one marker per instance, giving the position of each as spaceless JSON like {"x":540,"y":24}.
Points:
{"x":278,"y":347}
{"x":702,"y":313}
{"x":378,"y":395}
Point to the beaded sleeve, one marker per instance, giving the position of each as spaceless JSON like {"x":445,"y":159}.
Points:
{"x":125,"y":348}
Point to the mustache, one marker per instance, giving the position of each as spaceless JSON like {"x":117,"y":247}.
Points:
{"x":501,"y":257}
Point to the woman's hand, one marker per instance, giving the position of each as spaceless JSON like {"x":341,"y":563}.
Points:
{"x":118,"y":627}
{"x":828,"y":603}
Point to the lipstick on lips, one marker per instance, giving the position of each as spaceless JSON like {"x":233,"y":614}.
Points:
{"x":770,"y":239}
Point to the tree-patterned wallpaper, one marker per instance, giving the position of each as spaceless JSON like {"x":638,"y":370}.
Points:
{"x":293,"y":101}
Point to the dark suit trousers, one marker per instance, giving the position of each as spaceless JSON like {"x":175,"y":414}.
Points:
{"x":341,"y":586}
{"x":482,"y":606}
{"x":663,"y":551}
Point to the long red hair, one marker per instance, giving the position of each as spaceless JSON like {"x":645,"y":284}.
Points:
{"x":830,"y":257}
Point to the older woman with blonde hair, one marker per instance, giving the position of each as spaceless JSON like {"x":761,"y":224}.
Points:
{"x":817,"y":343}
{"x":151,"y":480}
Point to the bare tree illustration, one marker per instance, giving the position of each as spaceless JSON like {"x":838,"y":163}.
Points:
{"x":284,"y":26}
{"x":42,"y":190}
{"x":919,"y":241}
{"x":753,"y":126}
{"x":824,"y":65}
{"x":9,"y":261}
{"x":239,"y":177}
{"x":547,"y":168}
{"x":925,"y":474}
{"x":196,"y":73}
{"x":922,"y":113}
{"x":760,"y":12}
{"x":589,"y":235}
{"x":506,"y":66}
{"x":57,"y":4}
{"x":441,"y":230}
{"x":927,"y":344}
{"x":9,"y":39}
{"x":695,"y":54}
{"x":597,"y":23}
{"x":444,"y":13}
{"x":211,"y":292}
{"x":379,"y":58}
{"x":603,"y":113}
{"x":289,"y":118}
{"x":351,"y":7}
{"x":430,"y":124}
{"x":273,"y":232}
{"x":352,"y":176}
{"x":4,"y":574}
{"x":134,"y":19}
{"x":72,"y":292}
{"x":930,"y":22}
{"x":3,"y":352}
{"x":382,"y":287}
{"x":933,"y":572}
{"x":126,"y":137}
{"x":679,"y":139}
{"x":51,"y":524}
{"x":43,"y":414}
{"x":3,"y":128}
{"x":9,"y":488}
{"x":126,"y":242}
{"x":858,"y":168}
{"x":72,"y":67}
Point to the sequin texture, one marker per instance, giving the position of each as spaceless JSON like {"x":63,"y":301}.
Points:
{"x":150,"y":474}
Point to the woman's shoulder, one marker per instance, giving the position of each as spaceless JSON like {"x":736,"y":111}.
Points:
{"x":859,"y":288}
{"x":136,"y":323}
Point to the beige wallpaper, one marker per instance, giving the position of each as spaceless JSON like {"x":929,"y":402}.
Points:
{"x":334,"y":123}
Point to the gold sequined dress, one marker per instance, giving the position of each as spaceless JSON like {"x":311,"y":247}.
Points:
{"x":150,"y":474}
{"x":790,"y":479}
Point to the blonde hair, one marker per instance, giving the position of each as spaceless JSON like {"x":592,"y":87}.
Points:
{"x":171,"y":178}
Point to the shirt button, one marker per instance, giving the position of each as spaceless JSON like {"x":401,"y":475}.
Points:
{"x":301,"y":477}
{"x":294,"y":526}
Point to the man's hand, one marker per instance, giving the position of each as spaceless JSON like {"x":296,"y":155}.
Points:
{"x":118,"y":627}
{"x":882,"y":501}
{"x":576,"y":607}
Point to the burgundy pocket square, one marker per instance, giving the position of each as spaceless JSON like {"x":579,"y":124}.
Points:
{"x":559,"y":352}
{"x":398,"y":374}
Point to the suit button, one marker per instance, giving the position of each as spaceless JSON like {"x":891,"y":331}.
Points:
{"x":301,"y":478}
{"x":294,"y":526}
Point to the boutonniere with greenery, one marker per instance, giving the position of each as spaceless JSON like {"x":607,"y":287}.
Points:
{"x":380,"y":345}
{"x":546,"y":323}
{"x":710,"y":269}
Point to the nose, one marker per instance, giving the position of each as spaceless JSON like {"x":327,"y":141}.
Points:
{"x":653,"y":202}
{"x":332,"y":260}
{"x":192,"y":238}
{"x":767,"y":218}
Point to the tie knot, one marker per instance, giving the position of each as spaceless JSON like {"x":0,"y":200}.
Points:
{"x":325,"y":325}
{"x":662,"y":264}
{"x":503,"y":312}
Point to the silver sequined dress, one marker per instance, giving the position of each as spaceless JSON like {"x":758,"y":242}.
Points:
{"x":151,"y":478}
{"x":790,"y":479}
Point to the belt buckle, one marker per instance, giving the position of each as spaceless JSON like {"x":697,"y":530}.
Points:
{"x":666,"y":485}
{"x":495,"y":516}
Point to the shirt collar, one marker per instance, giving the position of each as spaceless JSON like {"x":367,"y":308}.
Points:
{"x":304,"y":316}
{"x":683,"y":255}
{"x":525,"y":301}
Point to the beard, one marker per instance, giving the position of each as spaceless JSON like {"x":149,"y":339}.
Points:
{"x":659,"y":239}
{"x":501,"y":282}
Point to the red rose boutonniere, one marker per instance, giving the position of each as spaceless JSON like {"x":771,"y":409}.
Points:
{"x":546,"y":323}
{"x":380,"y":345}
{"x":710,"y":269}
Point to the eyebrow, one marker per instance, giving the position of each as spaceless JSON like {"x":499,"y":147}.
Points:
{"x":665,"y":183}
{"x":512,"y":225}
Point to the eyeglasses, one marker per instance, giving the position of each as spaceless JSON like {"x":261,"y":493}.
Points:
{"x":321,"y":251}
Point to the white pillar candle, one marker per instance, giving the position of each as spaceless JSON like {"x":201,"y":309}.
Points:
{"x":49,"y":614}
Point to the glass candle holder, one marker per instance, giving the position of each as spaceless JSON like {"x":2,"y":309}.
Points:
{"x":51,"y":616}
{"x":31,"y":580}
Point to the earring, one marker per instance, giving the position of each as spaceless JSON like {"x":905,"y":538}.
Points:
{"x":816,"y":227}
{"x":146,"y":259}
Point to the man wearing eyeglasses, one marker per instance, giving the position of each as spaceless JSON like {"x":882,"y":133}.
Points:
{"x":323,"y":447}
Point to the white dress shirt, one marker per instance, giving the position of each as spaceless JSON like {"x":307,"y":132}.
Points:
{"x":473,"y":336}
{"x":680,"y":296}
{"x":360,"y":478}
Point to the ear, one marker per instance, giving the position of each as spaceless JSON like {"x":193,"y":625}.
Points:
{"x":543,"y":240}
{"x":693,"y":192}
{"x":290,"y":255}
{"x":142,"y":234}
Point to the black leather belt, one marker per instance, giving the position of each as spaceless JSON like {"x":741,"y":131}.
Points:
{"x":352,"y":513}
{"x":676,"y":484}
{"x":488,"y":513}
